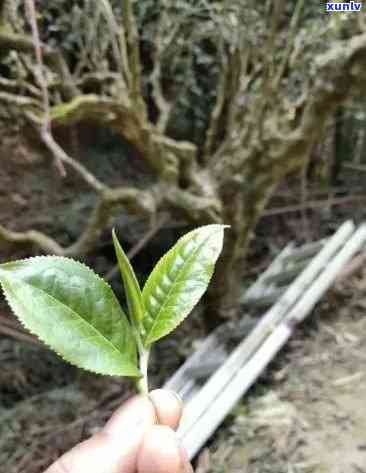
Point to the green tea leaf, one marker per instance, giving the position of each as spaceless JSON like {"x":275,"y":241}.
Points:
{"x":179,"y":280}
{"x":131,"y":285}
{"x":73,"y":311}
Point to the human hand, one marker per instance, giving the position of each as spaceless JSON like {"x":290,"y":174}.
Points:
{"x":139,"y":438}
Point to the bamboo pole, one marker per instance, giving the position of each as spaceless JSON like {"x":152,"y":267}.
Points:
{"x":257,"y":288}
{"x":214,"y":386}
{"x":266,"y":300}
{"x":306,"y":251}
{"x":195,"y":437}
{"x":287,"y":275}
{"x":329,"y":275}
{"x":182,"y":381}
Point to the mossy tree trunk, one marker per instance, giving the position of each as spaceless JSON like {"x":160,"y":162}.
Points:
{"x":260,"y":128}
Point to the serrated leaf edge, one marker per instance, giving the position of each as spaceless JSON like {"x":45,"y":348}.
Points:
{"x":148,"y":340}
{"x":29,"y":329}
{"x":23,"y":324}
{"x":61,"y":258}
{"x":76,"y":262}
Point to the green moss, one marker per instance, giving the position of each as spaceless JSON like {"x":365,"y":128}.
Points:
{"x":72,"y":112}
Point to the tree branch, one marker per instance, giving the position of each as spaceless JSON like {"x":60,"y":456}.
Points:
{"x":19,"y":101}
{"x":216,"y":114}
{"x":340,"y":73}
{"x":290,"y":42}
{"x":32,"y":238}
{"x":64,"y":158}
{"x":139,"y":246}
{"x":24,"y":44}
{"x":165,"y":33}
{"x":46,"y":125}
{"x":118,"y":43}
{"x":14,"y":41}
{"x":132,"y":199}
{"x":133,"y":50}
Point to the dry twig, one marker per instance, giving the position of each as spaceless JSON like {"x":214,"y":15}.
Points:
{"x":45,"y":131}
{"x":139,"y":246}
{"x":314,"y":204}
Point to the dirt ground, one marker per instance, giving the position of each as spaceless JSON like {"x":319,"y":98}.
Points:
{"x":308,"y":412}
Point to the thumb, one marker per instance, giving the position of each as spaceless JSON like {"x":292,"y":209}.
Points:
{"x":115,"y":448}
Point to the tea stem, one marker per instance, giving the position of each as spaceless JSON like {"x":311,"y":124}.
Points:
{"x":142,"y":383}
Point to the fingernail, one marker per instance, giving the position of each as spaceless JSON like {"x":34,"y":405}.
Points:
{"x":176,"y":396}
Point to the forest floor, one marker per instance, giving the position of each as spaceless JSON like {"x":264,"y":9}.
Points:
{"x":307,"y":413}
